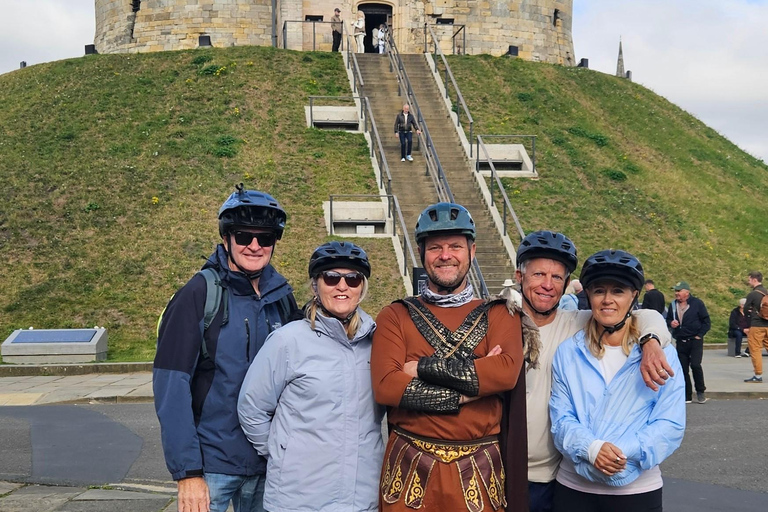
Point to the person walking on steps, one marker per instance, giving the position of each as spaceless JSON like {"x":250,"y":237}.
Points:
{"x":757,"y":337}
{"x":405,"y":123}
{"x":204,"y":348}
{"x":689,"y":319}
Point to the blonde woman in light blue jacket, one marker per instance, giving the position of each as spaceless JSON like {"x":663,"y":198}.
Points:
{"x":307,"y":404}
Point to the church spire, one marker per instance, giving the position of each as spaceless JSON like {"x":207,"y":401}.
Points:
{"x":620,"y":64}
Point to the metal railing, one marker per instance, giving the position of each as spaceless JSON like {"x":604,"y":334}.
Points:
{"x":450,"y":80}
{"x":532,"y":138}
{"x":462,"y":30}
{"x":326,"y":36}
{"x":506,"y":205}
{"x":399,"y":228}
{"x":434,"y":168}
{"x":357,"y":77}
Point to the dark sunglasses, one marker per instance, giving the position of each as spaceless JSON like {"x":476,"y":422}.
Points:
{"x":245,"y":238}
{"x":353,"y":279}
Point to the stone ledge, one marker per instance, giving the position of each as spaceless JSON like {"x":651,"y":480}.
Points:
{"x":29,"y":370}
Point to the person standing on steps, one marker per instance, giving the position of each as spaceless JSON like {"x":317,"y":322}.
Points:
{"x":359,"y":32}
{"x":405,"y":123}
{"x":336,"y":28}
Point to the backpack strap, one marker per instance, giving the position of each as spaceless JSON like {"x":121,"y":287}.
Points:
{"x":215,"y":294}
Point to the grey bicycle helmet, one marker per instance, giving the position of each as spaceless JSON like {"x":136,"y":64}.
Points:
{"x":550,"y":245}
{"x":445,"y":219}
{"x":253,"y":209}
{"x":339,"y":255}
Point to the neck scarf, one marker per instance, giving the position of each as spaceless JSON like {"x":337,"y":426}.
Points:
{"x":447,"y":301}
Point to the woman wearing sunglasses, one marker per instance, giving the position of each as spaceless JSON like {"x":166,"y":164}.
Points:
{"x":612,"y":430}
{"x":307,"y":403}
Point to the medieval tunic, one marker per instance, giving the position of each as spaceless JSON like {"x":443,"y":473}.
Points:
{"x":397,"y":341}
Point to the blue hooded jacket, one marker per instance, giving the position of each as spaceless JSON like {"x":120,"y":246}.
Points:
{"x":647,"y":425}
{"x":196,"y":397}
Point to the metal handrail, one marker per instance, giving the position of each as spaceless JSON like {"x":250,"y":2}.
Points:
{"x":377,"y":146}
{"x":357,"y":76}
{"x":396,"y":215}
{"x":462,"y":28}
{"x":506,"y":204}
{"x":434,"y":168}
{"x":449,"y":75}
{"x":314,"y":31}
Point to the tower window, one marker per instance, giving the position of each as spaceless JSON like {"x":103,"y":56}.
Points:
{"x":444,"y":21}
{"x":310,"y":17}
{"x":135,"y":5}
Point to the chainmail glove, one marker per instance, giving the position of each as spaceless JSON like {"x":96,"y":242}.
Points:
{"x":454,"y":373}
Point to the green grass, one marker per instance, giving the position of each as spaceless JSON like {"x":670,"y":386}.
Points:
{"x":621,"y":167}
{"x":114,"y":167}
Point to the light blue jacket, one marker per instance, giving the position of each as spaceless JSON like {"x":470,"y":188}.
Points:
{"x":646,"y":425}
{"x":307,"y":405}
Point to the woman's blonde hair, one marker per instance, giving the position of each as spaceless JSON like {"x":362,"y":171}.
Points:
{"x":311,"y":311}
{"x":594,"y":332}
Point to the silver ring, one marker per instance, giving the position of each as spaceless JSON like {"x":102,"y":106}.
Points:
{"x":618,"y":459}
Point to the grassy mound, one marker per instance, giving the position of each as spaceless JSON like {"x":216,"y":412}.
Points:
{"x":622,"y":167}
{"x":114,"y":167}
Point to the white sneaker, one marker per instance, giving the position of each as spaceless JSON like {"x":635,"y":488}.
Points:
{"x":409,"y":158}
{"x":402,"y":159}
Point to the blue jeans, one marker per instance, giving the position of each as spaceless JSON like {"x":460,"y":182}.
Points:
{"x":245,"y":492}
{"x":406,"y":141}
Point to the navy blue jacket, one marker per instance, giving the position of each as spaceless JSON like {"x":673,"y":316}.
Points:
{"x":695,"y":321}
{"x":196,"y":397}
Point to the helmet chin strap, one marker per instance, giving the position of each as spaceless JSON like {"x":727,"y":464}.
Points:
{"x":327,"y":313}
{"x":620,"y":325}
{"x":250,"y":275}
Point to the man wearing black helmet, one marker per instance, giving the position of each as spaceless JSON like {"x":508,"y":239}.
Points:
{"x":207,"y":337}
{"x":440,"y":362}
{"x":545,"y":261}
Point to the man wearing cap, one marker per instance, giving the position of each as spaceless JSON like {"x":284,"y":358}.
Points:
{"x":201,"y":362}
{"x":336,"y":28}
{"x":447,"y":365}
{"x":545,"y":261}
{"x":688,"y":318}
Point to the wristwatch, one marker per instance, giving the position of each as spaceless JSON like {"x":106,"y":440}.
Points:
{"x":648,"y":337}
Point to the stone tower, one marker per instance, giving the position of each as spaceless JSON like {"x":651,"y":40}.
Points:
{"x":620,"y":63}
{"x":538,"y":30}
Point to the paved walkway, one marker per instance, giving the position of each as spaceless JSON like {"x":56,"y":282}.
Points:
{"x":724,"y":377}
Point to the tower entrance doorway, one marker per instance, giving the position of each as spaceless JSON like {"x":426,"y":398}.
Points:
{"x":375,"y":15}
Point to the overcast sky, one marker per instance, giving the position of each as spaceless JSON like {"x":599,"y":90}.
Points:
{"x":710,"y":57}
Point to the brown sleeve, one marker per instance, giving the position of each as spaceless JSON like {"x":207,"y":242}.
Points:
{"x":388,"y":357}
{"x":500,"y":373}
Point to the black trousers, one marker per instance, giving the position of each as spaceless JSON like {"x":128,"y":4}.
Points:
{"x":690,"y":352}
{"x":336,"y":41}
{"x":569,"y":500}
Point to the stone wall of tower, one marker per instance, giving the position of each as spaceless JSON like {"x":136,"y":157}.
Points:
{"x":176,"y":24}
{"x":490,"y":26}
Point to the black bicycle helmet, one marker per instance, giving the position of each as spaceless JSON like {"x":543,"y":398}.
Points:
{"x":339,"y":255}
{"x":445,"y":219}
{"x":619,"y":266}
{"x":550,"y":245}
{"x":253,"y":209}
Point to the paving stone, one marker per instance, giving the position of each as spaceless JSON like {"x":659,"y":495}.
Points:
{"x":36,"y":498}
{"x":113,"y":494}
{"x":6,"y":487}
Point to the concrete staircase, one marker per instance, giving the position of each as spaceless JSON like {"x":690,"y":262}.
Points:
{"x":410,"y":183}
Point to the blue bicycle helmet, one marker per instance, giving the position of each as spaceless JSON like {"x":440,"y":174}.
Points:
{"x":253,"y":209}
{"x":445,"y":219}
{"x":339,"y":255}
{"x":550,"y":245}
{"x":619,"y":266}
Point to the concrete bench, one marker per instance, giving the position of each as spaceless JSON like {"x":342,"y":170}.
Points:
{"x":48,"y":346}
{"x":333,"y":118}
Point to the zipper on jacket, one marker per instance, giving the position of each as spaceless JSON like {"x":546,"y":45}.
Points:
{"x":248,"y":341}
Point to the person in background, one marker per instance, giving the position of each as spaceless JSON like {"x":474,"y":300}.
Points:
{"x":757,"y":337}
{"x":306,"y":403}
{"x":738,"y":325}
{"x":337,"y":25}
{"x":688,"y":318}
{"x":612,"y":430}
{"x":569,"y":301}
{"x":653,"y":298}
{"x":359,"y":32}
{"x":405,"y":123}
{"x":382,"y":39}
{"x":198,"y":371}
